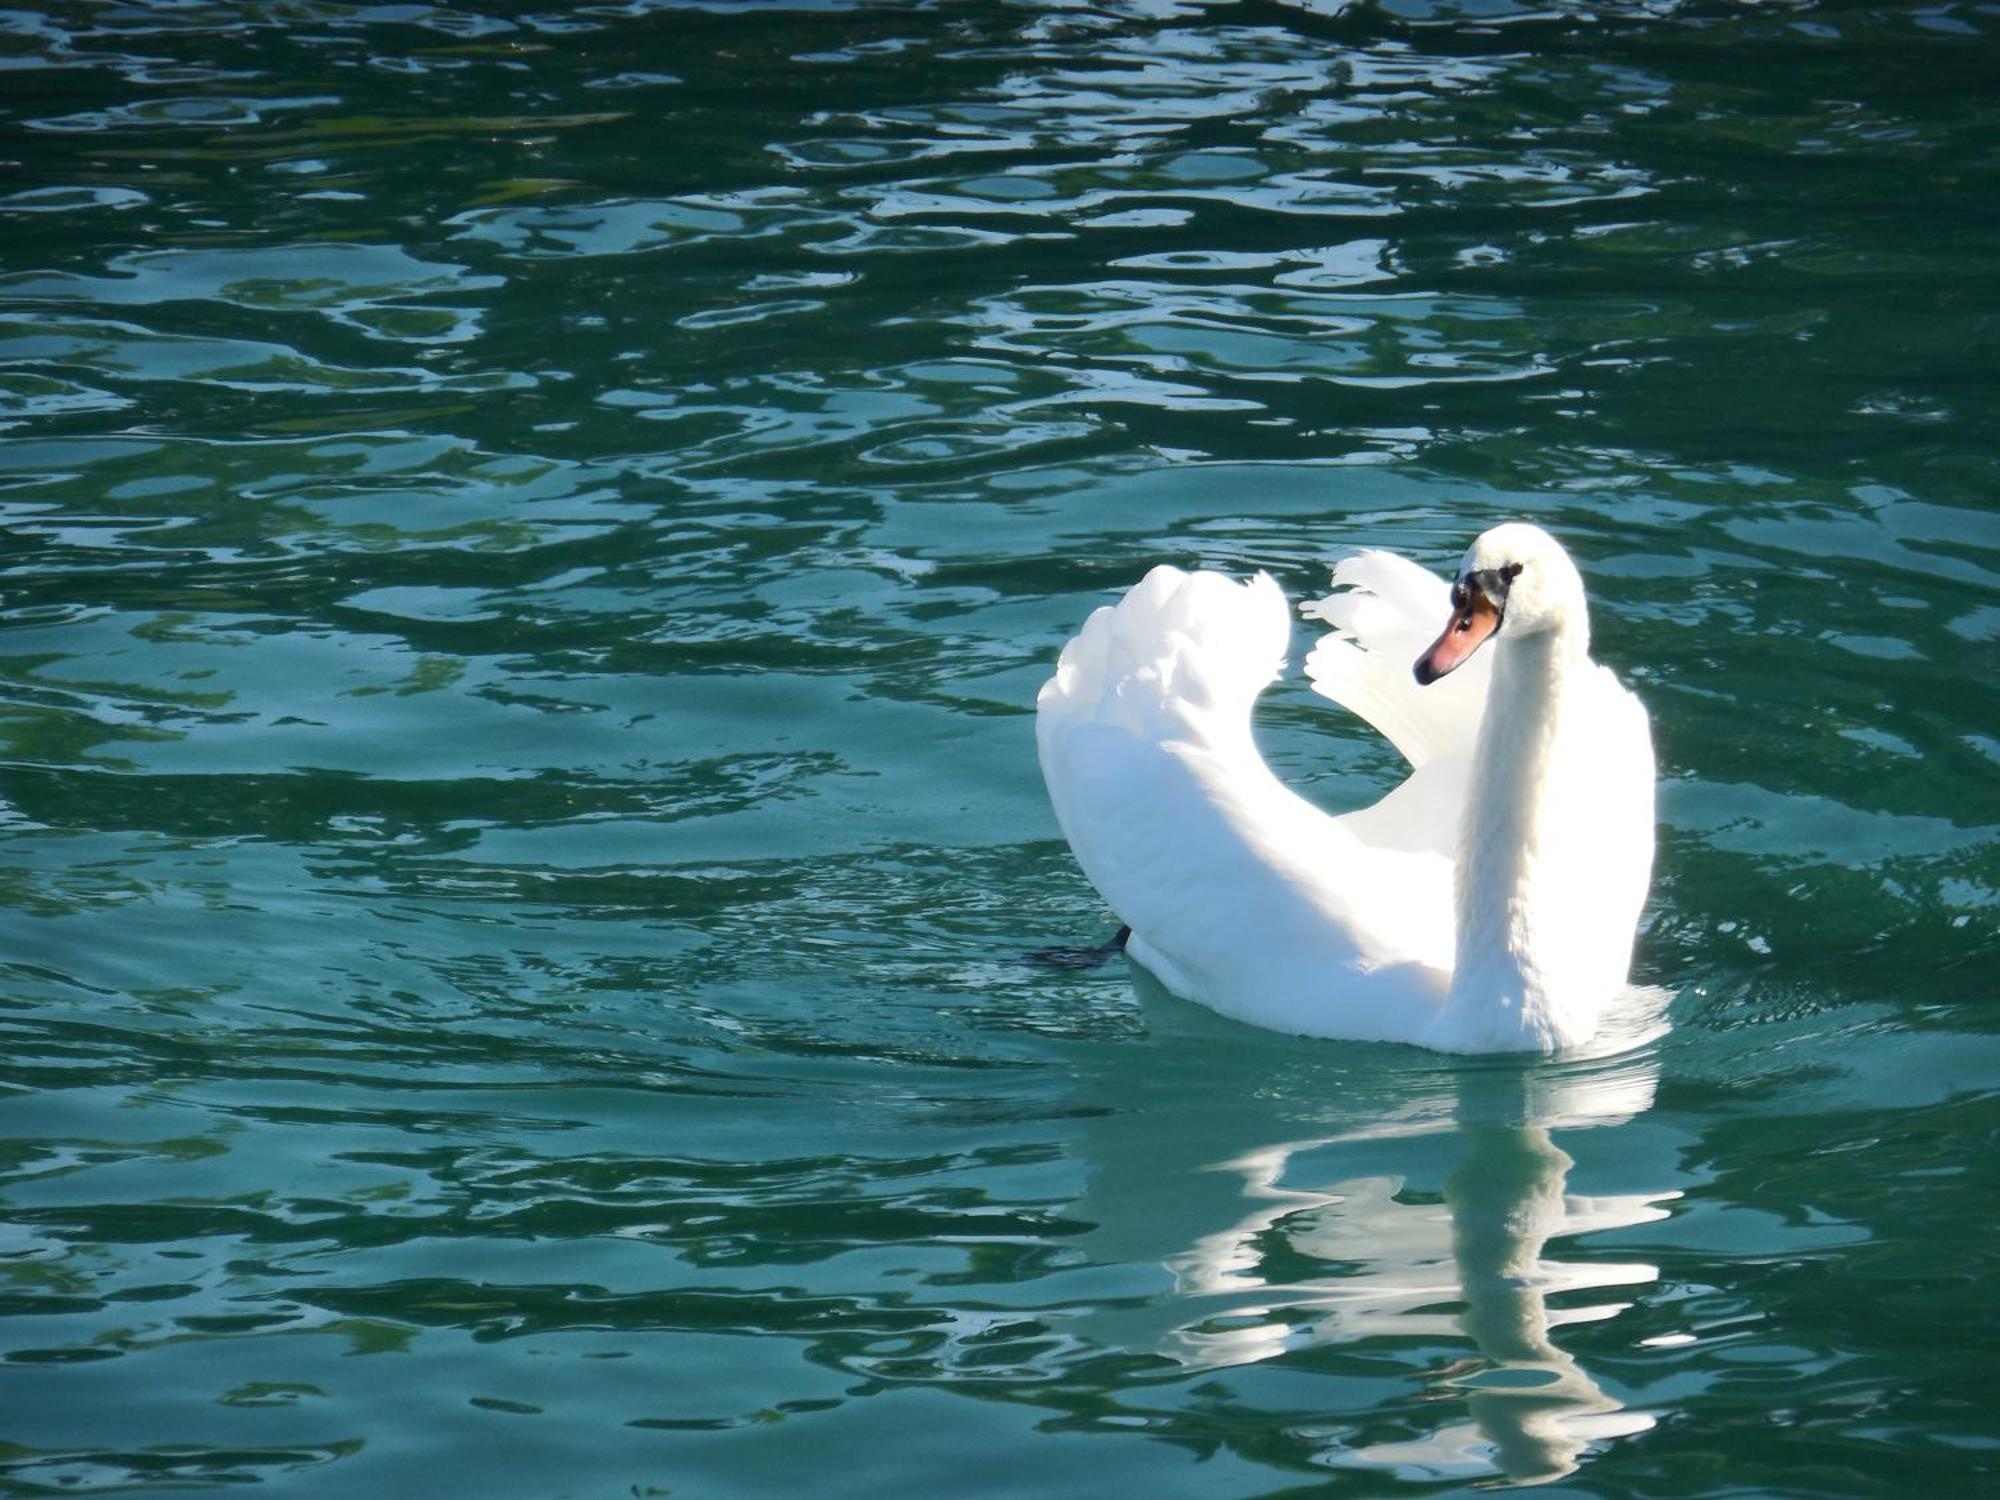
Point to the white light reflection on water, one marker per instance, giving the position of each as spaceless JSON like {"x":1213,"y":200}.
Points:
{"x":1393,"y":1265}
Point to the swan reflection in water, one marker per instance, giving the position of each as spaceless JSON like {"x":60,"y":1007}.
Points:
{"x":1395,"y":1262}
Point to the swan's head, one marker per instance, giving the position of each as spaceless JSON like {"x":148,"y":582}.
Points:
{"x":1516,"y":581}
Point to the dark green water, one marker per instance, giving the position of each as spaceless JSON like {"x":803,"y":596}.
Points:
{"x":530,"y":539}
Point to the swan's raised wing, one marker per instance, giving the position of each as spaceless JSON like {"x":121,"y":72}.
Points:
{"x":1240,"y":893}
{"x":1386,"y":611}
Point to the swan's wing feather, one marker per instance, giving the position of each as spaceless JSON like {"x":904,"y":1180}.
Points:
{"x":1152,"y":695}
{"x":1176,"y":662}
{"x":1167,"y":836}
{"x":1385,"y":611}
{"x":1240,"y":893}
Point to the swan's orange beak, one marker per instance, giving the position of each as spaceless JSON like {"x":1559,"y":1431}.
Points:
{"x":1473,"y":618}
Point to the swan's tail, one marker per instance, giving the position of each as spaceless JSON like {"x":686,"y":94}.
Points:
{"x":1386,"y":611}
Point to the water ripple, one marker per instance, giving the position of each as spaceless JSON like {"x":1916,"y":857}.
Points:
{"x":528,"y":542}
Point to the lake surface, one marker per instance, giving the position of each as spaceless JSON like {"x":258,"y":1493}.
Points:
{"x":531,"y":536}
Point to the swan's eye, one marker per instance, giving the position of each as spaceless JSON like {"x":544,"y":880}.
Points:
{"x":1511,"y":572}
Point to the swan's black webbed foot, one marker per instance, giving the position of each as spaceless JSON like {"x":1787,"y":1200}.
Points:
{"x":1078,"y":958}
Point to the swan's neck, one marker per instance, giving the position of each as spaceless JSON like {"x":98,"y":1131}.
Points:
{"x":1506,"y":975}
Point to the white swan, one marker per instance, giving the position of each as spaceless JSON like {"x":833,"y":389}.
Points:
{"x":1486,"y":904}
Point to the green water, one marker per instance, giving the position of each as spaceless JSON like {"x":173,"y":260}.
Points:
{"x":530,"y":540}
